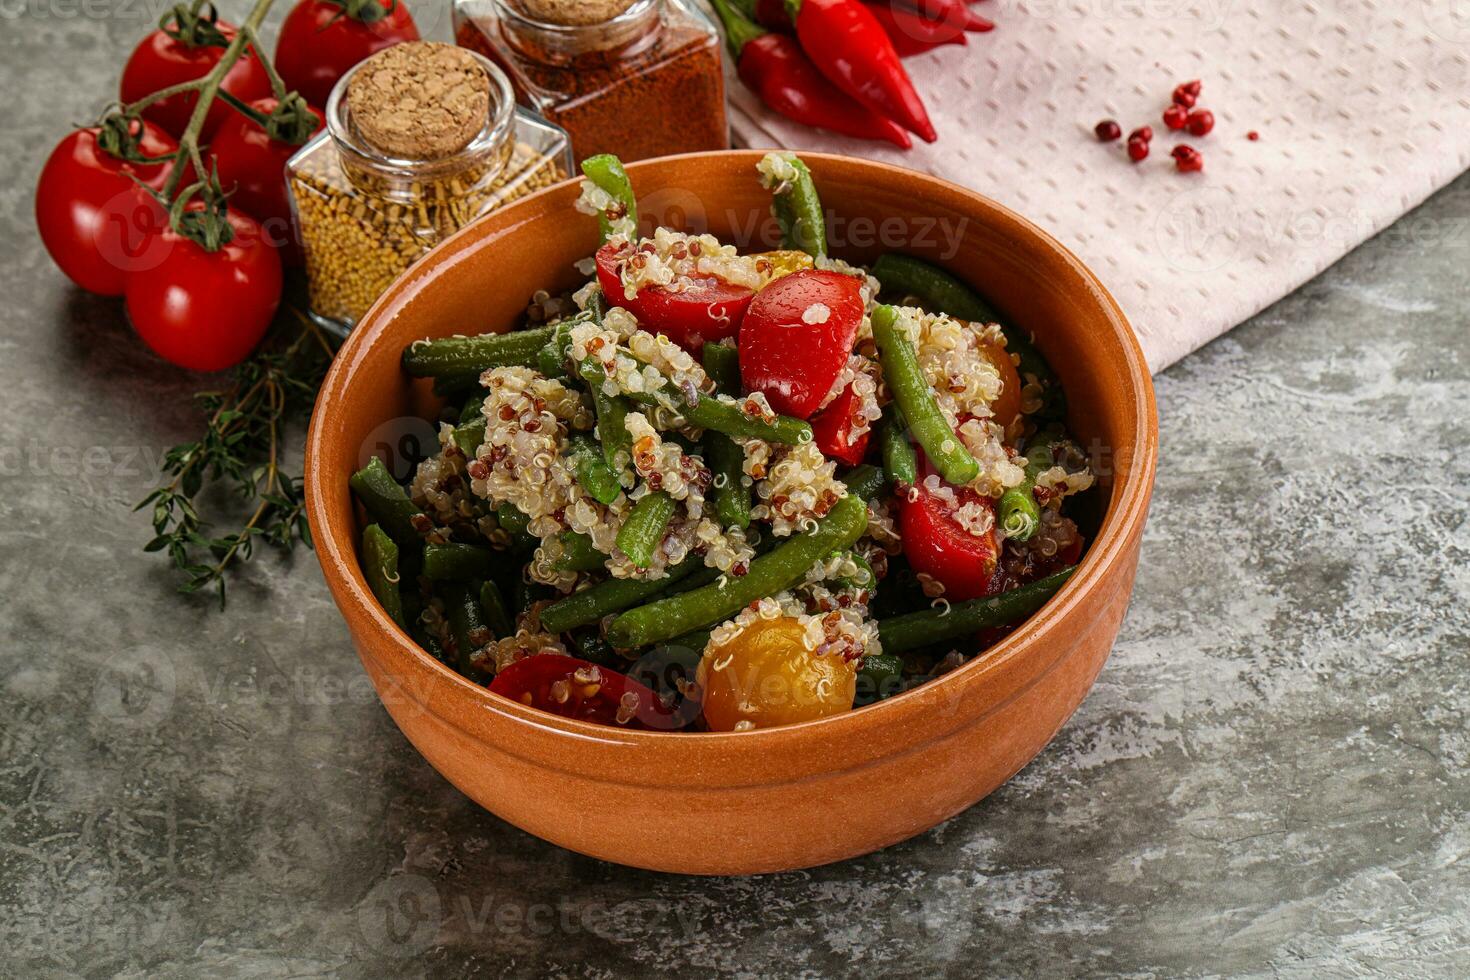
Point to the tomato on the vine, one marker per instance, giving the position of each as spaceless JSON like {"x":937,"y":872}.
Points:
{"x":94,"y":218}
{"x":252,"y":169}
{"x":207,"y":310}
{"x":182,"y":52}
{"x":321,"y":39}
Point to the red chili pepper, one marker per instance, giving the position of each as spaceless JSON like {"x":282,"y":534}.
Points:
{"x":912,"y":34}
{"x":849,"y":46}
{"x":953,"y":12}
{"x":768,"y":13}
{"x":774,"y":67}
{"x":832,"y":429}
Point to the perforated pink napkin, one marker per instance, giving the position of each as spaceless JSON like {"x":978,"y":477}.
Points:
{"x":1362,"y":106}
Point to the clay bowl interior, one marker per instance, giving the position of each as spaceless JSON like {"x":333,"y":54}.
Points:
{"x":781,"y":798}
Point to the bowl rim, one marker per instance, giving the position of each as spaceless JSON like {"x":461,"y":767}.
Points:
{"x":1124,"y":517}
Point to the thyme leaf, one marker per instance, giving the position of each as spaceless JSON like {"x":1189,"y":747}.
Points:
{"x":242,"y":448}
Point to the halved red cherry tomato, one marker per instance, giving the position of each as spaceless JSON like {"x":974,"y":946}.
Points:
{"x":321,"y":39}
{"x":708,"y":311}
{"x":832,"y":429}
{"x":160,"y":61}
{"x":796,"y":337}
{"x":94,"y":219}
{"x":207,"y":310}
{"x":252,"y":169}
{"x":582,"y":690}
{"x":939,"y":546}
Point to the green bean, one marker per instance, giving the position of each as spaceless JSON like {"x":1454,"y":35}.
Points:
{"x":591,"y":604}
{"x":706,"y":412}
{"x":590,"y":644}
{"x":611,"y":411}
{"x":551,"y":359}
{"x":516,"y":524}
{"x":642,"y":533}
{"x":920,"y":629}
{"x":606,"y":171}
{"x":388,"y":504}
{"x":593,"y":473}
{"x":470,"y":411}
{"x":911,"y":391}
{"x":597,"y":306}
{"x":1018,"y":511}
{"x":770,"y":573}
{"x":455,"y":387}
{"x":937,"y":290}
{"x":457,"y":562}
{"x":879,"y":677}
{"x":865,"y":577}
{"x":899,"y":458}
{"x":497,"y":616}
{"x":798,"y":210}
{"x":469,"y":435}
{"x":509,"y":517}
{"x":578,"y":554}
{"x":466,"y":625}
{"x":722,"y":364}
{"x":867,"y":481}
{"x":460,"y":357}
{"x":730,"y":496}
{"x":380,"y":568}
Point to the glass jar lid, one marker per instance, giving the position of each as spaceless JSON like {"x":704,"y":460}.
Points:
{"x":401,"y":177}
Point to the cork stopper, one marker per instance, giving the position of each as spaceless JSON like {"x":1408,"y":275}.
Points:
{"x":572,"y":13}
{"x":419,"y":101}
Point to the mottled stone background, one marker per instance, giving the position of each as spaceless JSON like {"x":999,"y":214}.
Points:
{"x":1271,"y":778}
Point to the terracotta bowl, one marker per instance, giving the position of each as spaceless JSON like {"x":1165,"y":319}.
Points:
{"x":781,"y":798}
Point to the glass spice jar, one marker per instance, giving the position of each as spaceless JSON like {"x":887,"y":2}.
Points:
{"x":369,"y":201}
{"x":644,"y":83}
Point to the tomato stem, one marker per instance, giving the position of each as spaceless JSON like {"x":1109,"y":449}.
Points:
{"x":208,"y":226}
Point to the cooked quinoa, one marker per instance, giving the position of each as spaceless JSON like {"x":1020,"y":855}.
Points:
{"x":608,"y":455}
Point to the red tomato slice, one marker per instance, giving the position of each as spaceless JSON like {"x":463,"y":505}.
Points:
{"x":794,"y":362}
{"x":707,"y":312}
{"x":832,"y":428}
{"x":592,"y":693}
{"x":937,"y":545}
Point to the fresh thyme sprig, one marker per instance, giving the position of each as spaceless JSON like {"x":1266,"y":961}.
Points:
{"x":242,"y":445}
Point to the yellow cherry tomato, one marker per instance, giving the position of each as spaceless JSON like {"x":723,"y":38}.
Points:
{"x":767,"y":677}
{"x":786,"y":261}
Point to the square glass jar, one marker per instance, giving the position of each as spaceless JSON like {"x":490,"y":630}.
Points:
{"x":649,"y":82}
{"x":364,"y":217}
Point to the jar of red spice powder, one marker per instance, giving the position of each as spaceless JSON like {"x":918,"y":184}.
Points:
{"x":644,"y":81}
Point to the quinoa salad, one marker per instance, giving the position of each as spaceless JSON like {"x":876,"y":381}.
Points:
{"x":715,"y":491}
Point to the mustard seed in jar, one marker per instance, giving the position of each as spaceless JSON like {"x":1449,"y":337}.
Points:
{"x":421,"y":139}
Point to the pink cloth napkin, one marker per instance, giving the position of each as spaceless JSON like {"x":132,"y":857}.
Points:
{"x":1362,"y":106}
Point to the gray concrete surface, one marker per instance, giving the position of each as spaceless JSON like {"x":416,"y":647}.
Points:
{"x":1271,"y":778}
